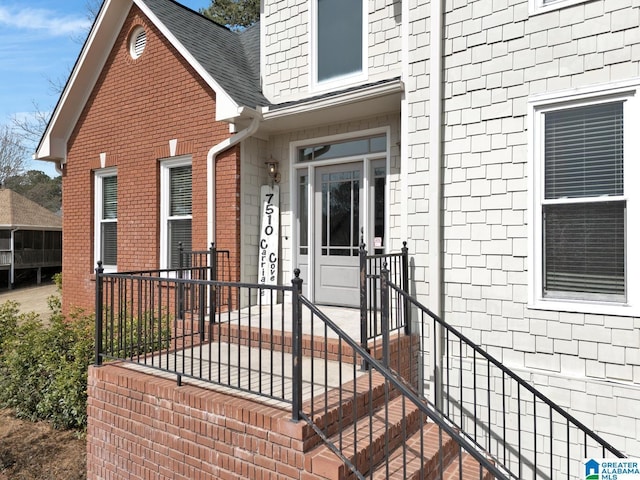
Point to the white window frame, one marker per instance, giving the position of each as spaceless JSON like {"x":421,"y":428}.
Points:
{"x":343,"y":80}
{"x":165,"y":170}
{"x":99,"y":176}
{"x":629,"y":94}
{"x":537,"y":7}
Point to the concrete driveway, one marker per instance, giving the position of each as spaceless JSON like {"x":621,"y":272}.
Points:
{"x":31,"y":298}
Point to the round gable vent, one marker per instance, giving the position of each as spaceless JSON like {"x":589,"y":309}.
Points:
{"x":137,"y":42}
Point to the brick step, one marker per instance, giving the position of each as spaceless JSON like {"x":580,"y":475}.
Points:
{"x":428,"y":456}
{"x":419,"y":456}
{"x":470,"y":469}
{"x":339,"y":410}
{"x":364,"y":444}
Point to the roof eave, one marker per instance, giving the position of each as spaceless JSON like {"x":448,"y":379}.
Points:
{"x":83,"y":77}
{"x":226,"y":107}
{"x":88,"y":67}
{"x":370,"y":100}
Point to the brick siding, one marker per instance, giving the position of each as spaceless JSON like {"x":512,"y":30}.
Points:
{"x":134,"y":110}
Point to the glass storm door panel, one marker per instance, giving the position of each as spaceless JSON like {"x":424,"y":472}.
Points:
{"x":338,"y":214}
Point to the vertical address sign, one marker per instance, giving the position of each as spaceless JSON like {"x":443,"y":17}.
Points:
{"x":269,"y":238}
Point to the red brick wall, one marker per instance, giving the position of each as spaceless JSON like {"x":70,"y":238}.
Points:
{"x":135,"y":109}
{"x":140,"y":426}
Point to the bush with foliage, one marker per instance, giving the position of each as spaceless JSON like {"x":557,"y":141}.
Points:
{"x":43,"y":367}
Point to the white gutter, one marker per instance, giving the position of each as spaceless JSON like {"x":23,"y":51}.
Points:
{"x":435,"y":155}
{"x":216,"y":150}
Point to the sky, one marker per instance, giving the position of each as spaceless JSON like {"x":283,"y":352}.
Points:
{"x":39,"y":43}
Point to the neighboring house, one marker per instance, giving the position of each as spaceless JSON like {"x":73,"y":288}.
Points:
{"x":30,"y":237}
{"x":496,"y":138}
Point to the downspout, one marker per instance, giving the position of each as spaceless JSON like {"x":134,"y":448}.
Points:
{"x":435,"y":155}
{"x":435,"y":235}
{"x":404,"y":125}
{"x":216,"y":150}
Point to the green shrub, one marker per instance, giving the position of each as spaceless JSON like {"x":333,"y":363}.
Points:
{"x":43,"y":368}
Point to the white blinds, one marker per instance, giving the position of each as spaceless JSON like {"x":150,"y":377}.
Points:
{"x":584,"y":152}
{"x":109,"y":227}
{"x":584,"y":248}
{"x":179,"y":227}
{"x":584,"y":242}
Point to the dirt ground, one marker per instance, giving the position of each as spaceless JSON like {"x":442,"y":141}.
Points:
{"x":35,"y":451}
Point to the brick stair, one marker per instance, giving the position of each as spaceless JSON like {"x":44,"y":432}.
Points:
{"x":416,"y":450}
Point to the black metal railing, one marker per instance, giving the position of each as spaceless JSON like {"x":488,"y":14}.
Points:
{"x":373,"y":420}
{"x":160,"y":319}
{"x":371,"y":266}
{"x":212,"y":264}
{"x":486,"y":421}
{"x":524,"y":431}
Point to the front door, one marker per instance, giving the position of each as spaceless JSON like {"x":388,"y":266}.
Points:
{"x":339,"y":213}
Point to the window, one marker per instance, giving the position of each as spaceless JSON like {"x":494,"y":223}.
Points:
{"x":583,"y":151}
{"x":176,"y":210}
{"x":541,"y":6}
{"x":106,"y":218}
{"x":339,"y":39}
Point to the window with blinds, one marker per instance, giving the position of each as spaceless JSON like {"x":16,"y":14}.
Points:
{"x":108,"y":215}
{"x":179,"y":219}
{"x":584,"y":211}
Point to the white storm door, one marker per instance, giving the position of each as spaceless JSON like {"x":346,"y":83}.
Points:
{"x":339,"y":214}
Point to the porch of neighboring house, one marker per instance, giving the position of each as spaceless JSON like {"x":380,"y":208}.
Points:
{"x":30,"y":238}
{"x":201,"y":378}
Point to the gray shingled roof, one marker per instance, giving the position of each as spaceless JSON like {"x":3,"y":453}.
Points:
{"x":231,"y":58}
{"x":19,"y":211}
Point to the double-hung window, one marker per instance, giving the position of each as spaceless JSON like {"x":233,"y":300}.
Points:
{"x":106,"y":218}
{"x":176,"y":196}
{"x":339,"y":29}
{"x":583,"y":200}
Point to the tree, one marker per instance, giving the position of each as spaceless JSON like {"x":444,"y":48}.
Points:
{"x":236,"y":14}
{"x":31,"y":128}
{"x":12,"y":153}
{"x":38,"y":187}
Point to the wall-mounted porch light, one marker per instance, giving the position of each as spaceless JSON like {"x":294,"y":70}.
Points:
{"x":272,"y":170}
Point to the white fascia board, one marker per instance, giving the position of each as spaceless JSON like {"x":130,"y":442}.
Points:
{"x":88,"y":68}
{"x":83,"y":77}
{"x":369,"y":93}
{"x":226,"y":107}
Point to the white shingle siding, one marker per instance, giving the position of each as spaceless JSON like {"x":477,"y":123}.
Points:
{"x":286,"y":68}
{"x":496,"y":56}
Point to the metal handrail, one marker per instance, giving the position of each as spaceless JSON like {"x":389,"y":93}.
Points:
{"x":398,"y":384}
{"x":449,"y":380}
{"x":370,"y":268}
{"x":163,"y":322}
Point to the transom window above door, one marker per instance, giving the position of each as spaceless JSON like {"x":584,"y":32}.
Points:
{"x":348,"y":148}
